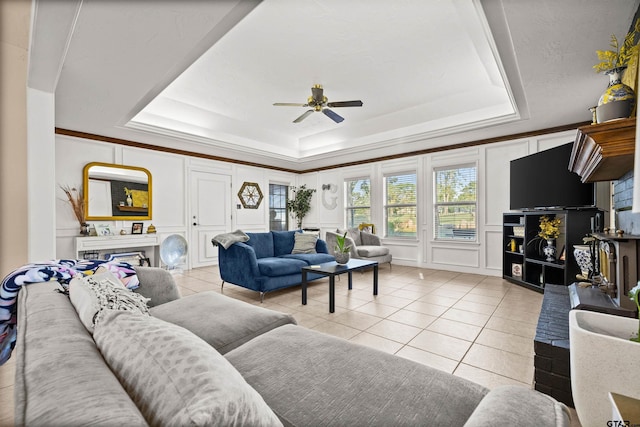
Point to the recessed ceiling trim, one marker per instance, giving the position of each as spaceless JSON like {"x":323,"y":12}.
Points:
{"x":205,"y":141}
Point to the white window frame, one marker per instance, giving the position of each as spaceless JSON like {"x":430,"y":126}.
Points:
{"x":437,"y":204}
{"x":388,"y":206}
{"x":347,"y":207}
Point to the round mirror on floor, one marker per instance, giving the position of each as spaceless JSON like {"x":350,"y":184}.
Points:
{"x":173,"y":252}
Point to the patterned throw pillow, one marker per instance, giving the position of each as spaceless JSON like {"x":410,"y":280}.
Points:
{"x":174,"y":377}
{"x":304,"y":243}
{"x":92,"y":295}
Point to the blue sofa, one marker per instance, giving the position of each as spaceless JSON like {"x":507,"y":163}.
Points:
{"x":265,"y":263}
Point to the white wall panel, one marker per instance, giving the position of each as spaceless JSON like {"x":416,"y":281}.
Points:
{"x":455,"y":256}
{"x":251,"y":217}
{"x":494,"y":250}
{"x":72,"y":154}
{"x":497,"y":173}
{"x":168,"y":177}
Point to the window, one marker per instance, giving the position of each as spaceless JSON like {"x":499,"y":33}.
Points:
{"x":455,"y":203}
{"x":278,"y":218}
{"x":358,"y":204}
{"x":400,"y":205}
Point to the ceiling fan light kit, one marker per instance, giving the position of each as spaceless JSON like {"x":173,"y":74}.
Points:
{"x":318,"y":102}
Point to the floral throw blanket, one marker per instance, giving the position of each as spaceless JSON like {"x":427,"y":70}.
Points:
{"x":62,"y":271}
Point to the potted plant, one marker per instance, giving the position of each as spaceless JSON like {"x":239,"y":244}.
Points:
{"x":300,"y":204}
{"x":342,"y":251}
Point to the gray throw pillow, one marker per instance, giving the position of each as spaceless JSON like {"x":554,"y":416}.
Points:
{"x":304,"y":243}
{"x":174,"y":377}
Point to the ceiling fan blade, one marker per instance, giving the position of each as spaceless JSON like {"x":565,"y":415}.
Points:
{"x":333,"y":116}
{"x":289,"y":104}
{"x":345,"y":104}
{"x":303,"y":116}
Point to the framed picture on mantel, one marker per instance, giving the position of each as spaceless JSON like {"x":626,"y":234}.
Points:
{"x":136,"y":228}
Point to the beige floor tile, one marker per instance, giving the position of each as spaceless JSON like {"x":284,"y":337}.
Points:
{"x":439,"y":300}
{"x":357,"y":320}
{"x":511,"y":365}
{"x":409,"y":294}
{"x":474,"y":307}
{"x":376,"y":309}
{"x":518,"y":315}
{"x":394,"y":301}
{"x":336,"y":329}
{"x":492,"y":301}
{"x":507,"y":342}
{"x":523,"y":329}
{"x":394,"y":331}
{"x":426,"y":308}
{"x":444,"y":292}
{"x":443,"y":345}
{"x":427,"y":358}
{"x":379,"y":343}
{"x":455,"y":329}
{"x":488,"y":379}
{"x":464,"y":316}
{"x":412,"y":318}
{"x":307,"y":320}
{"x":488,"y":292}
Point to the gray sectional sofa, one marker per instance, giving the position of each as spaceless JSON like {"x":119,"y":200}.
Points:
{"x":67,"y":377}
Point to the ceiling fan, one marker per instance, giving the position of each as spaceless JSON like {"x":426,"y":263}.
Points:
{"x":318,"y":102}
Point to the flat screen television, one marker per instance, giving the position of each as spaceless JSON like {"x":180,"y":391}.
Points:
{"x":543,"y":181}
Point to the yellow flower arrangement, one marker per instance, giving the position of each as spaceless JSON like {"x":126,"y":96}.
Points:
{"x":549,"y":227}
{"x":620,"y":53}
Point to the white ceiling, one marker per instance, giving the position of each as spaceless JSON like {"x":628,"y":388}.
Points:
{"x":202,"y":76}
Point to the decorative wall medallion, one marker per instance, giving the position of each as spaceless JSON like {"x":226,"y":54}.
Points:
{"x":250,"y":195}
{"x":333,"y":189}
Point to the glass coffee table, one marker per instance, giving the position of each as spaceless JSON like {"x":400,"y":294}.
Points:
{"x":333,"y":269}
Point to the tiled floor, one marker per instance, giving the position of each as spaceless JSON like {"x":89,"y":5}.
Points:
{"x":476,"y":327}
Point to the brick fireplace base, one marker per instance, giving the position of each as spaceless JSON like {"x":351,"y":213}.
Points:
{"x":551,"y":345}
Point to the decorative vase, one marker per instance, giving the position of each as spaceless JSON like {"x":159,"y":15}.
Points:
{"x":129,"y":201}
{"x":550,"y":251}
{"x":582,"y":253}
{"x":342,"y":257}
{"x":84,"y":229}
{"x":618,"y":100}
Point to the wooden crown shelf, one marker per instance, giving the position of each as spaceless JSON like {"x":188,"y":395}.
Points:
{"x":604,"y":152}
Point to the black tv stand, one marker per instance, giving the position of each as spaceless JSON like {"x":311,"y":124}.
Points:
{"x":527,"y":265}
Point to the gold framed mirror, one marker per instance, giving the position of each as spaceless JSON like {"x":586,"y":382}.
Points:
{"x":116,"y":192}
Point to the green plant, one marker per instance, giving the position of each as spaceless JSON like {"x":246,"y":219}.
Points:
{"x":300,"y":204}
{"x":620,"y":54}
{"x":634,"y":294}
{"x":340,"y":246}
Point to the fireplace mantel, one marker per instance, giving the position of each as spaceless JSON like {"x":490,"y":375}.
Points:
{"x":604,"y":152}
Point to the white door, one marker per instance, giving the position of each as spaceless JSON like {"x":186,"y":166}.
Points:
{"x":210,"y":215}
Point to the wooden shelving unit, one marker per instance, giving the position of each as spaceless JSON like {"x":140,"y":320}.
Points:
{"x":528,"y":258}
{"x":604,"y":152}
